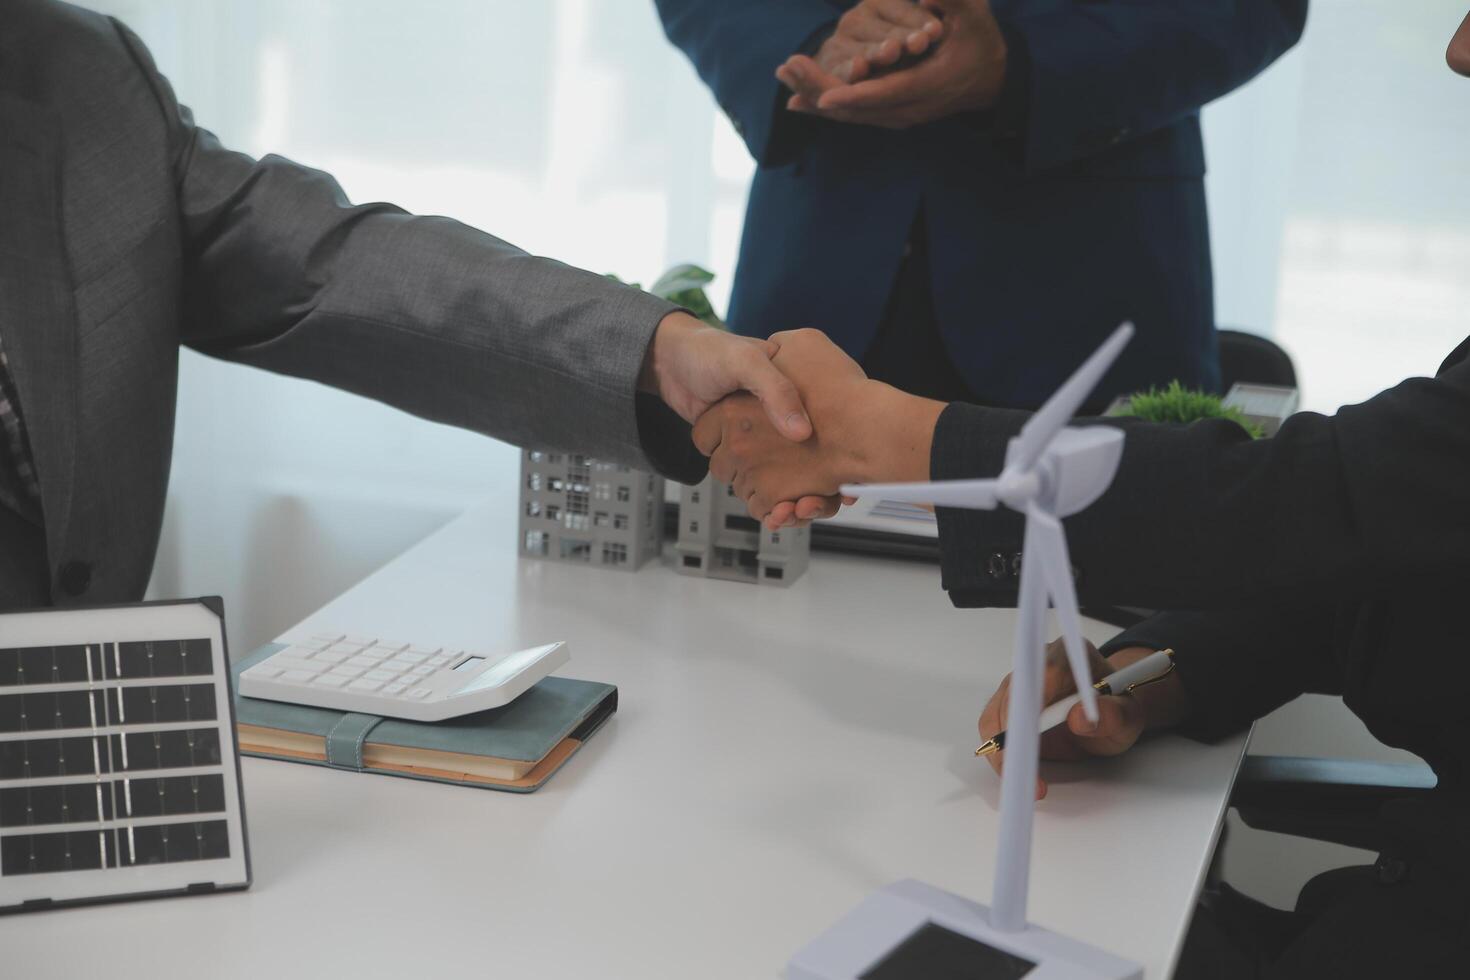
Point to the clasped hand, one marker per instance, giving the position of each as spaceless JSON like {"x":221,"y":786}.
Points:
{"x":862,"y":431}
{"x":898,"y":63}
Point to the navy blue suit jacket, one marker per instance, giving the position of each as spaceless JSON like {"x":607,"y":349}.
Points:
{"x":1038,"y":248}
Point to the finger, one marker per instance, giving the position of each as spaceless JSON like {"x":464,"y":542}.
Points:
{"x":904,"y":13}
{"x":805,"y":77}
{"x":758,"y":502}
{"x":1057,"y":681}
{"x":800,"y":103}
{"x":817,"y":508}
{"x":722,"y":466}
{"x":798,"y":81}
{"x":885,"y":53}
{"x":1119,"y":724}
{"x":709,"y":430}
{"x":778,"y":395}
{"x":992,"y":717}
{"x":782,"y":515}
{"x":863,"y":24}
{"x":891,"y":91}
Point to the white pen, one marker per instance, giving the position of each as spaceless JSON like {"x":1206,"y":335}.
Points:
{"x":1154,"y":667}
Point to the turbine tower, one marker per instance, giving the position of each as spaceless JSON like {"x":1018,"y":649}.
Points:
{"x":1051,"y":470}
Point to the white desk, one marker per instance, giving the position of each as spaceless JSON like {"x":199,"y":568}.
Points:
{"x":777,"y":755}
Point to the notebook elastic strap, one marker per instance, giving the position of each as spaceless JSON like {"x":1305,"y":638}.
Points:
{"x":344,"y":741}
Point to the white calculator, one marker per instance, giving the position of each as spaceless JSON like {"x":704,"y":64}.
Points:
{"x":420,"y":682}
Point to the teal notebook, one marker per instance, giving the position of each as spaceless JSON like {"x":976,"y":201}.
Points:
{"x":516,"y":747}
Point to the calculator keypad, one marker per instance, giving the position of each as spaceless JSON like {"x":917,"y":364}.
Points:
{"x":357,"y":663}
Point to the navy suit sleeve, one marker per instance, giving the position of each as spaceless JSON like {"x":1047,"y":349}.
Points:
{"x":736,"y":47}
{"x":1102,"y":73}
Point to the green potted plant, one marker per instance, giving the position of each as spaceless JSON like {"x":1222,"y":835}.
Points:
{"x":684,"y":284}
{"x":1179,"y":404}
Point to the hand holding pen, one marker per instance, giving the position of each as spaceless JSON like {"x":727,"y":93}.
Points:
{"x":1142,"y":693}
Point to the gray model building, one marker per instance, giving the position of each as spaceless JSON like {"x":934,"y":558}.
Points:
{"x":718,"y":539}
{"x":575,"y":508}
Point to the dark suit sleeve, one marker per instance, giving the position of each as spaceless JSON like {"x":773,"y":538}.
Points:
{"x":1102,"y":73}
{"x":736,"y":47}
{"x":1240,"y":665}
{"x":423,"y":313}
{"x":1201,"y":516}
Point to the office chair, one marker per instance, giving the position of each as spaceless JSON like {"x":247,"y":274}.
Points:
{"x":1333,"y":800}
{"x":1254,"y":359}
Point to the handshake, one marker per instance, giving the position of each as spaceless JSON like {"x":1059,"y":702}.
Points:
{"x":861,"y":431}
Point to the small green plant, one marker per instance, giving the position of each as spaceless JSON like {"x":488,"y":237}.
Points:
{"x":1177,"y":403}
{"x":684,"y":284}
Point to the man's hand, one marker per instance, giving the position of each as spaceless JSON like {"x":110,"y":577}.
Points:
{"x":864,"y":431}
{"x":691,"y":365}
{"x":870,"y":37}
{"x":1121,"y":720}
{"x":963,"y":74}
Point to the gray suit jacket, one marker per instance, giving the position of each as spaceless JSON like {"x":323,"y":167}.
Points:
{"x":126,"y":230}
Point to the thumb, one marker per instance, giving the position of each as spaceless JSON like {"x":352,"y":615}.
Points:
{"x":1118,"y":726}
{"x":777,"y":394}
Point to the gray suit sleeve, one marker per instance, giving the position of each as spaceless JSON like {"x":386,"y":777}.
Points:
{"x":422,"y":313}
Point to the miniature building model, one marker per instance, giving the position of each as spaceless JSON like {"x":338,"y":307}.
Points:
{"x":575,"y":508}
{"x":718,"y":539}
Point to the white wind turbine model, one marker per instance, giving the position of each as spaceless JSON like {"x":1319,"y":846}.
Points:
{"x":1051,"y":470}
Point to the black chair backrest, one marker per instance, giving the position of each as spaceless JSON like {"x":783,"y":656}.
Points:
{"x":1251,"y":358}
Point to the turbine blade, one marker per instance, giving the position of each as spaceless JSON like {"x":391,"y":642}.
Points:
{"x":970,"y":494}
{"x":1049,"y":541}
{"x":1062,"y":405}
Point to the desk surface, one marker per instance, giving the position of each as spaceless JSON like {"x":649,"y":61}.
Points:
{"x":778,"y":754}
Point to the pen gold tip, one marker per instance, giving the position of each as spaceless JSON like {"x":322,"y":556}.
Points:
{"x":989,"y":748}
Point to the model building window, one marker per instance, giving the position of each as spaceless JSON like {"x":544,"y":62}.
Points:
{"x":537,"y":456}
{"x":533,"y":508}
{"x":602,"y":491}
{"x":577,"y":501}
{"x":694,"y":496}
{"x":693,"y":527}
{"x":576,"y":522}
{"x":574,"y":550}
{"x":536,"y":542}
{"x":553,"y":457}
{"x":775,"y":537}
{"x":554,"y":484}
{"x":614,"y":553}
{"x":620,"y":522}
{"x":553,"y":512}
{"x":533,"y":481}
{"x":624,"y":495}
{"x":600,"y":519}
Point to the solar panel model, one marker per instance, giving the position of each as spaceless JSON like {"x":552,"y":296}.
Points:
{"x":119,"y":771}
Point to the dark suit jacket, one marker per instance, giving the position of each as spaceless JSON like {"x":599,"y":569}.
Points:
{"x":1037,"y":250}
{"x":1332,"y":557}
{"x":126,"y":230}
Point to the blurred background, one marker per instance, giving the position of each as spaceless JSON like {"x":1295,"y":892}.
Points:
{"x":1339,"y":190}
